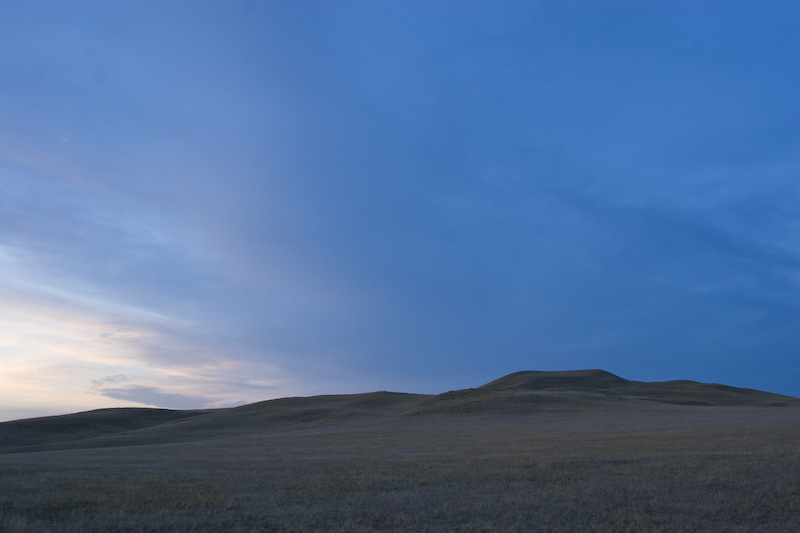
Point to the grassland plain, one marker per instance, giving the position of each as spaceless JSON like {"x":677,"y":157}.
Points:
{"x":515,"y":455}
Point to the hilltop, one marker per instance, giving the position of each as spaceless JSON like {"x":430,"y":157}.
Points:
{"x":600,"y":382}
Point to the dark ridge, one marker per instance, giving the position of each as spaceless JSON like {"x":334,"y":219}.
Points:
{"x":685,"y":392}
{"x":567,"y":379}
{"x":281,"y":414}
{"x":86,"y":425}
{"x":328,"y":408}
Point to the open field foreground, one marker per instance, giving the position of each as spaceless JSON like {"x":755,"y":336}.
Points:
{"x":549,"y":451}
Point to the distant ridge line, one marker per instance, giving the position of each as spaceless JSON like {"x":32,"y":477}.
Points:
{"x":526,"y":393}
{"x":542,"y":379}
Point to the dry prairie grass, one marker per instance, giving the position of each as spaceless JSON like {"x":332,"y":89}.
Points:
{"x":634,"y":468}
{"x":500,"y":458}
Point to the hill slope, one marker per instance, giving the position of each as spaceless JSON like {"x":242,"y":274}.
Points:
{"x":520,"y":394}
{"x":600,"y":382}
{"x":85,"y":425}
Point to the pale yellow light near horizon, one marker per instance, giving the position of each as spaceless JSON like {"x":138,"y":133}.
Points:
{"x":62,"y":344}
{"x":55,"y":360}
{"x":55,"y":343}
{"x":50,"y":359}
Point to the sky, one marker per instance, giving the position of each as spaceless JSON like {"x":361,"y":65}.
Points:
{"x":211,"y":203}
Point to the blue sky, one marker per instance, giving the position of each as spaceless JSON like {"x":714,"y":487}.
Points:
{"x":204,"y":204}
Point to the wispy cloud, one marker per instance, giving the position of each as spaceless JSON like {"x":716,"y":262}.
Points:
{"x":110,"y":380}
{"x":90,"y":298}
{"x":79,"y":360}
{"x":152,"y":396}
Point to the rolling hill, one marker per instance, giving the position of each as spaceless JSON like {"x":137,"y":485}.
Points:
{"x":524,"y":393}
{"x":532,"y":451}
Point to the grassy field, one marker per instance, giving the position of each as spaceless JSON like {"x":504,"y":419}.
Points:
{"x":502,"y":458}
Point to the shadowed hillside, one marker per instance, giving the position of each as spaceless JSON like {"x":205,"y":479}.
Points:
{"x":136,"y":427}
{"x":519,"y":394}
{"x":86,"y":425}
